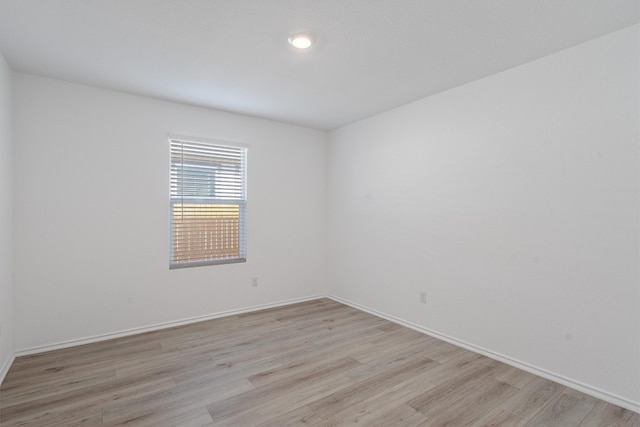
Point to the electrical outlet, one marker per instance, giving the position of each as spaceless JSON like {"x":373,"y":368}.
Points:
{"x":254,"y":281}
{"x":423,"y":297}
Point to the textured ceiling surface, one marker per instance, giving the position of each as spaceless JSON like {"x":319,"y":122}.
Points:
{"x":369,"y":55}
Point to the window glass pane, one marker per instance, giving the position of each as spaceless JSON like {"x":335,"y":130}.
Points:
{"x":208,"y":203}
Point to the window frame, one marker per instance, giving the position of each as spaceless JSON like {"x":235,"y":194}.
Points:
{"x":215,"y":203}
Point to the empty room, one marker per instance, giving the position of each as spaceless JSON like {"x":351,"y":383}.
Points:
{"x":320,"y":212}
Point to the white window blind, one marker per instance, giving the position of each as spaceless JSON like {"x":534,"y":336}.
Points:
{"x":208,"y":203}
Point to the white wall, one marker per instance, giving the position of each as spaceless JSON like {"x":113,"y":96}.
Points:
{"x":6,"y":214}
{"x":513,"y":202}
{"x":91,"y":213}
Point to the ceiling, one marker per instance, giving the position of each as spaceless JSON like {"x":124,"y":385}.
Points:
{"x":369,"y":55}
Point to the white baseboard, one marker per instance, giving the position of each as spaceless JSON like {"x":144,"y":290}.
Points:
{"x":5,"y":368}
{"x":165,"y":325}
{"x":576,"y":385}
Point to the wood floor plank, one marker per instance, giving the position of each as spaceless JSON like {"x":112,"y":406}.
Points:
{"x":282,"y":403}
{"x":34,"y":390}
{"x":317,"y":363}
{"x":565,"y":411}
{"x":296,"y":383}
{"x":76,"y":419}
{"x":400,"y":416}
{"x":478,"y":402}
{"x":90,"y":399}
{"x":516,"y":377}
{"x":302,"y":415}
{"x":308,"y":350}
{"x":385,"y":403}
{"x":533,"y":397}
{"x":361,"y":390}
{"x":449,"y":391}
{"x":606,"y":414}
{"x":499,"y":418}
{"x":368,"y":370}
{"x":224,"y":372}
{"x":194,"y":395}
{"x":193,"y":418}
{"x":185,"y":416}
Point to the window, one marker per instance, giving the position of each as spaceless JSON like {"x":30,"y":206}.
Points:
{"x":208,"y":203}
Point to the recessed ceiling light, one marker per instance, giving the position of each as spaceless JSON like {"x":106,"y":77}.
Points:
{"x":300,"y":41}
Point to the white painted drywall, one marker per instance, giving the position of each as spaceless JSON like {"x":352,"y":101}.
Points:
{"x":513,"y":202}
{"x":6,"y":215}
{"x":91,"y":213}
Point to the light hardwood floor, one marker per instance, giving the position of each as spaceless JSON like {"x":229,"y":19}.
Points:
{"x":316,"y":363}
